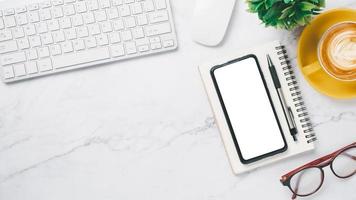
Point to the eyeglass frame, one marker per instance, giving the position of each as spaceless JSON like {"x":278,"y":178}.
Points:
{"x":319,"y":163}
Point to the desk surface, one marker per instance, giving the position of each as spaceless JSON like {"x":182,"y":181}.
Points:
{"x":143,"y":129}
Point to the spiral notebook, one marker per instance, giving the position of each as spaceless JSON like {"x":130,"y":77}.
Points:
{"x":293,"y":96}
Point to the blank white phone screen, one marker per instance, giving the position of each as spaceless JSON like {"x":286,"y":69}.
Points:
{"x":249,"y":109}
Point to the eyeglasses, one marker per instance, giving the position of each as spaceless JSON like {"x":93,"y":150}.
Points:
{"x":307,"y":179}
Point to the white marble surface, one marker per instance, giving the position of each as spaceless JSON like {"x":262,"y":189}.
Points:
{"x":143,"y":129}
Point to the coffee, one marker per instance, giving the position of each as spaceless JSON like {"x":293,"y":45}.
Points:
{"x":337,"y":51}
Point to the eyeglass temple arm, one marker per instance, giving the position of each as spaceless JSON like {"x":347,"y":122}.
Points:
{"x":315,"y":162}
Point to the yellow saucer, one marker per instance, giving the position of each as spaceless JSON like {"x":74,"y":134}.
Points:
{"x":307,"y":54}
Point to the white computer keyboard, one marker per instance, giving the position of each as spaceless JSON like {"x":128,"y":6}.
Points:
{"x":59,"y":35}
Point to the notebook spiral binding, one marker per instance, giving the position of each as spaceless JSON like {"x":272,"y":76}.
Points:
{"x":303,"y":115}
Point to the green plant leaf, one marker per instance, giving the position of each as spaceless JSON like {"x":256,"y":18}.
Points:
{"x":286,"y":14}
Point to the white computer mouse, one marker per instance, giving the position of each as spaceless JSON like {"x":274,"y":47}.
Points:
{"x":210,"y":21}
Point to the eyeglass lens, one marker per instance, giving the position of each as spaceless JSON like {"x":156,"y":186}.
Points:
{"x":306,"y":181}
{"x":344,"y":165}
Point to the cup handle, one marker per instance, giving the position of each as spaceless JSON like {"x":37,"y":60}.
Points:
{"x":311,"y":68}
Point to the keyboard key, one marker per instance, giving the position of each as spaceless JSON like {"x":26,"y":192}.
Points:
{"x":94,"y":29}
{"x":104,"y":3}
{"x":117,"y":50}
{"x":129,"y":1}
{"x":118,"y":25}
{"x":45,"y":4}
{"x":67,"y":47}
{"x":21,"y":19}
{"x":57,"y":2}
{"x":100,"y":15}
{"x":55,"y":49}
{"x":142,"y":19}
{"x":160,"y":4}
{"x":129,"y":22}
{"x":47,"y":38}
{"x":23,"y":43}
{"x":81,"y":57}
{"x":30,"y":29}
{"x":21,"y":9}
{"x":148,"y":6}
{"x":44,"y":64}
{"x":157,"y":29}
{"x":9,"y":11}
{"x":113,"y":13}
{"x":53,"y":25}
{"x":18,"y":32}
{"x":2,"y":25}
{"x":5,"y":35}
{"x":13,"y":58}
{"x":136,"y":8}
{"x":10,"y":21}
{"x":92,"y":5}
{"x":130,"y":47}
{"x":69,"y":10}
{"x":159,"y":16}
{"x":42,"y":27}
{"x":57,"y":12}
{"x":43,"y":52}
{"x":138,"y":33}
{"x":8,"y":72}
{"x":143,"y":48}
{"x":88,"y":18}
{"x":124,"y":10}
{"x":8,"y":46}
{"x":80,"y":7}
{"x":79,"y":45}
{"x":69,"y":1}
{"x":45,"y":14}
{"x":126,"y":35}
{"x":19,"y":69}
{"x":70,"y":34}
{"x":58,"y":36}
{"x":33,"y":17}
{"x":77,"y":20}
{"x":142,"y":41}
{"x":65,"y":22}
{"x":155,"y":40}
{"x":114,"y":37}
{"x":32,"y":54}
{"x":156,"y":46}
{"x":90,"y":42}
{"x":102,"y":40}
{"x":117,"y":2}
{"x":34,"y":6}
{"x":82,"y":31}
{"x":35,"y":41}
{"x":106,"y":27}
{"x":31,"y":67}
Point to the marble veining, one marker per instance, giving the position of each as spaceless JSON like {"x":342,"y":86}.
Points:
{"x":143,"y":129}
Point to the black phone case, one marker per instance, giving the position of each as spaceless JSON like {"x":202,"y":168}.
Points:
{"x":248,"y":161}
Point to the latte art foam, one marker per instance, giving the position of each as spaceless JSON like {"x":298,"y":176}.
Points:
{"x":342,"y":50}
{"x":337,"y":51}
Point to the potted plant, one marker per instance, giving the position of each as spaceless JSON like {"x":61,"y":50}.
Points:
{"x":285,"y":14}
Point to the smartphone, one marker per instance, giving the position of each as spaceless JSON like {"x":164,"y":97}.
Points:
{"x":248,"y":109}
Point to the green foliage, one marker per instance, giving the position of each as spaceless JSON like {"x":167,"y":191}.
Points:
{"x":286,"y":14}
